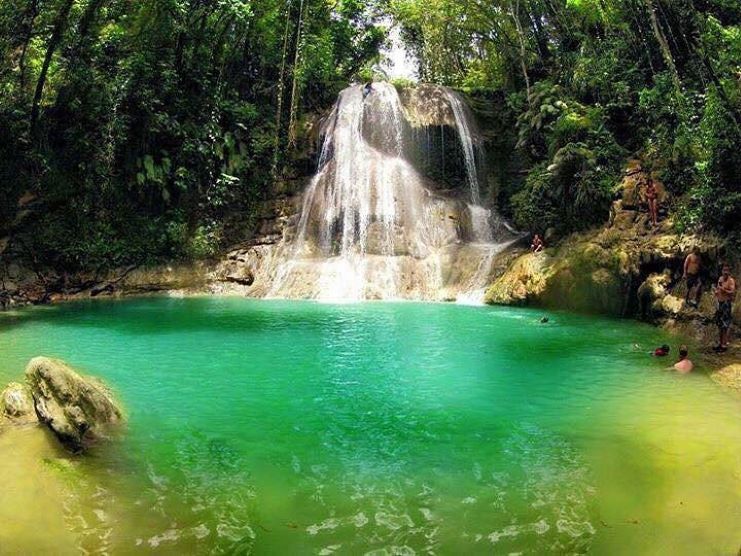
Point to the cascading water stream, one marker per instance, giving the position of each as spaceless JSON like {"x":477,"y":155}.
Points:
{"x":370,"y":227}
{"x":483,"y":220}
{"x":467,"y":142}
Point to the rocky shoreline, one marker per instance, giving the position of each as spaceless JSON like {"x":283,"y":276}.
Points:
{"x":628,"y":269}
{"x":624,"y":269}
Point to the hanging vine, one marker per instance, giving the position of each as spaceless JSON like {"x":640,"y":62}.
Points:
{"x":296,"y":75}
{"x":281,"y":89}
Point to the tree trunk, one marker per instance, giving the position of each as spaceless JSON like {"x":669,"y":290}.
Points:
{"x":540,"y":37}
{"x":88,"y":18}
{"x":663,"y":44}
{"x":59,"y":26}
{"x":281,"y":87}
{"x":638,"y":21}
{"x":294,"y":86}
{"x":521,"y":36}
{"x":83,"y":30}
{"x":31,"y":14}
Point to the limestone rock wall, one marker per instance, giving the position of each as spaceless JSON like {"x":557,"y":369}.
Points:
{"x":622,"y":270}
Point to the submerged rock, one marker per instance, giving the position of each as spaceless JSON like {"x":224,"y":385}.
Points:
{"x":77,"y":409}
{"x":729,"y":376}
{"x":16,"y":404}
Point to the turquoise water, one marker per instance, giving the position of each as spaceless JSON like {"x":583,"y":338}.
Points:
{"x":301,"y":428}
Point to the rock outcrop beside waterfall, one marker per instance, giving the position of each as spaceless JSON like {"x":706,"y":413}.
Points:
{"x":594,"y":271}
{"x":79,"y":410}
{"x":624,"y":269}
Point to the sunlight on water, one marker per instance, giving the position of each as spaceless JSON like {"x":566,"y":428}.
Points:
{"x":284,"y":428}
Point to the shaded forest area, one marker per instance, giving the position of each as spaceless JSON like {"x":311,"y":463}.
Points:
{"x":147,"y":130}
{"x":137,"y":129}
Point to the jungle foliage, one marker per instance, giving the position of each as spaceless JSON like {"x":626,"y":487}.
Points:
{"x":590,"y":82}
{"x":137,"y":128}
{"x":142,"y":130}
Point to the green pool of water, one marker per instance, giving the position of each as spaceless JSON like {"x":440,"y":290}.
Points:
{"x":302,"y":428}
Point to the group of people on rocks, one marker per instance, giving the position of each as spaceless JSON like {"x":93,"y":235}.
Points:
{"x":724,"y":291}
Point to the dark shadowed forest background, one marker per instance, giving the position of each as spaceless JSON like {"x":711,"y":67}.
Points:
{"x":136,"y":131}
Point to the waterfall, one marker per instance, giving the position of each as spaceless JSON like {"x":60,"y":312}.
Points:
{"x":463,"y":126}
{"x":370,"y":225}
{"x":481,"y":224}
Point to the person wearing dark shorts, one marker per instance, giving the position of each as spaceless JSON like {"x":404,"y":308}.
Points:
{"x":725,"y":293}
{"x":691,"y":274}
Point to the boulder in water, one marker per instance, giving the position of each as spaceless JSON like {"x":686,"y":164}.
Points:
{"x":77,"y":409}
{"x":16,"y":404}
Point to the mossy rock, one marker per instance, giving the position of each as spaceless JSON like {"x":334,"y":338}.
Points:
{"x":524,"y":281}
{"x":78,"y":410}
{"x":16,"y":404}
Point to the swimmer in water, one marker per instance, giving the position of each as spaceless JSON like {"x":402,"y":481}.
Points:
{"x":684,"y":365}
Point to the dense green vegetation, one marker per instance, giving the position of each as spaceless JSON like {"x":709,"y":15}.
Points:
{"x":143,"y":126}
{"x":140,"y":130}
{"x":589,"y":82}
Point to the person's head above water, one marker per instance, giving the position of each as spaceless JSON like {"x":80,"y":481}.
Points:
{"x":662,"y":351}
{"x":683,"y":365}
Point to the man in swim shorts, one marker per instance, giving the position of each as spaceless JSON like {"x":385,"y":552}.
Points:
{"x":692,"y":275}
{"x":725,"y":292}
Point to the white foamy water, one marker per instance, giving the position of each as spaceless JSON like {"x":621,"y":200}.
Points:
{"x":370,"y":227}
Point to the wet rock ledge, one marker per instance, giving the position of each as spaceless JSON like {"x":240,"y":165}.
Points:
{"x":80,"y":411}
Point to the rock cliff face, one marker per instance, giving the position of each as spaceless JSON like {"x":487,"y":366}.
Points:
{"x":624,"y":269}
{"x":616,"y":271}
{"x":78,"y":410}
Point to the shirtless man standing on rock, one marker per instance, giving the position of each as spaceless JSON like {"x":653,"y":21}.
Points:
{"x":692,"y":276}
{"x":725,"y":293}
{"x":652,"y":199}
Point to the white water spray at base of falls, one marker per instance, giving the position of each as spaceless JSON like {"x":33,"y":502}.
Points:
{"x":370,"y":227}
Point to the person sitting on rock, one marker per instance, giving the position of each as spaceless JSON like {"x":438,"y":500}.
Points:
{"x":692,"y":275}
{"x":367,"y":89}
{"x":684,"y":365}
{"x":537,"y":245}
{"x":725,"y":292}
{"x":652,"y":198}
